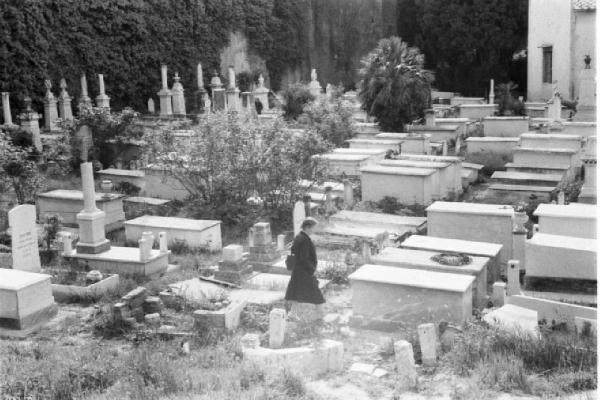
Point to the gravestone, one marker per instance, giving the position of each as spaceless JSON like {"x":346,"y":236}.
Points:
{"x":178,"y":97}
{"x":6,"y":109}
{"x":50,"y":108}
{"x":84,"y":99}
{"x":164,"y":94}
{"x":299,"y":216}
{"x":151,"y":107}
{"x":25,"y":253}
{"x":102,"y":100}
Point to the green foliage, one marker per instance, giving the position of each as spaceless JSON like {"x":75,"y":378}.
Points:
{"x":18,"y":170}
{"x":389,"y":205}
{"x":295,"y":98}
{"x":395,"y":87}
{"x":507,"y":101}
{"x":332,"y":120}
{"x":231,"y":158}
{"x":127,"y":40}
{"x":336,"y":272}
{"x":127,"y":188}
{"x":51,"y":228}
{"x":246,"y":80}
{"x":111,"y":133}
{"x":467,"y":42}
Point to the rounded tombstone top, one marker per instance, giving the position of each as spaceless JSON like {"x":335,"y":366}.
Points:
{"x":313,"y":75}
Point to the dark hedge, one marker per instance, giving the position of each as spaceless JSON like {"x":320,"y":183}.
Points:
{"x":127,"y":40}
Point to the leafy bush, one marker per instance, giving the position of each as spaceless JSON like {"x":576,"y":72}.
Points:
{"x":51,"y":228}
{"x":295,"y":98}
{"x":336,"y":272}
{"x":127,"y":188}
{"x":389,"y":205}
{"x":395,"y":87}
{"x":231,"y":158}
{"x":332,"y":120}
{"x":17,"y":170}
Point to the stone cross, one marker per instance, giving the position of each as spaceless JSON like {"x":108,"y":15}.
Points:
{"x":102,"y":100}
{"x":64,"y":102}
{"x":6,"y":109}
{"x":178,"y":98}
{"x":25,"y":251}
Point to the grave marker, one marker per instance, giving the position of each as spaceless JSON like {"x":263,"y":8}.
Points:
{"x":25,"y":253}
{"x":299,"y":216}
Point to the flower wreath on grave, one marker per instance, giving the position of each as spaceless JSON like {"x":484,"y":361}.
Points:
{"x":453,"y":259}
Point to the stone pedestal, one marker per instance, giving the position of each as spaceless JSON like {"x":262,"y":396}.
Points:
{"x":90,"y":219}
{"x":233,"y":99}
{"x":261,"y":93}
{"x":219,"y":100}
{"x":64,"y":102}
{"x":178,"y":98}
{"x":314,"y":86}
{"x":84,"y":100}
{"x":165,"y":96}
{"x":50,"y":112}
{"x":102,"y":100}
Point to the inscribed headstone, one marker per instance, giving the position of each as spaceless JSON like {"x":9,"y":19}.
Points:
{"x":25,"y":253}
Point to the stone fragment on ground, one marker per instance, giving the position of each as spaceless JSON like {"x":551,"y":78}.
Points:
{"x":363,"y":368}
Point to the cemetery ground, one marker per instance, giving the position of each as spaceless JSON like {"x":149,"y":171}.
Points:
{"x":83,"y":354}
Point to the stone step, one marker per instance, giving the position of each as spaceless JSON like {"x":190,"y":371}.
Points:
{"x":527,"y":178}
{"x":524,"y":167}
{"x":544,"y":190}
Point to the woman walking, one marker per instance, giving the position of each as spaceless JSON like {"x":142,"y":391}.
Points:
{"x":303,"y":286}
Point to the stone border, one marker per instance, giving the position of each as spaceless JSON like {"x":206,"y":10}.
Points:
{"x":227,"y":318}
{"x":74,"y":293}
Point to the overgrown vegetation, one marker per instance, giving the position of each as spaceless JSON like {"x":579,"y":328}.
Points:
{"x":507,"y":100}
{"x":295,"y":98}
{"x":395,"y":86}
{"x":331,"y":118}
{"x":551,"y":365}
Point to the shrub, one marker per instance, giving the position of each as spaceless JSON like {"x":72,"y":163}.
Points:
{"x":395,"y":87}
{"x":295,"y":98}
{"x":17,"y":170}
{"x":389,"y":205}
{"x":507,"y":102}
{"x":127,"y":188}
{"x":336,"y":272}
{"x":332,"y":120}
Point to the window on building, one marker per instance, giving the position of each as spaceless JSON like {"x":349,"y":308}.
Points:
{"x":547,"y":64}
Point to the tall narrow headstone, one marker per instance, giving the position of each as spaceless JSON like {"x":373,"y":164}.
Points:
{"x":219,"y":100}
{"x":498,"y":294}
{"x":25,"y":251}
{"x":163,"y":243}
{"x":428,"y":343}
{"x":200,"y":95}
{"x":232,"y":92}
{"x":92,"y":238}
{"x":164,"y":94}
{"x":178,"y":98}
{"x":6,"y":109}
{"x":64,"y":102}
{"x":276,"y":328}
{"x":50,"y":109}
{"x":444,"y":148}
{"x":457,"y":146}
{"x":299,"y":216}
{"x":555,"y":106}
{"x":561,"y":198}
{"x":512,"y":273}
{"x":29,"y":121}
{"x":102,"y":100}
{"x":348,"y":193}
{"x":314,"y":86}
{"x":405,"y":363}
{"x":261,"y":93}
{"x":492,"y":94}
{"x":84,"y":100}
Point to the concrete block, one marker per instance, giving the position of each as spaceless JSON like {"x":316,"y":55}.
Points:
{"x":428,"y":343}
{"x":514,"y":319}
{"x":405,"y":363}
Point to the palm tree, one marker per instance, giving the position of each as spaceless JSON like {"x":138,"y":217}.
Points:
{"x":394,"y":87}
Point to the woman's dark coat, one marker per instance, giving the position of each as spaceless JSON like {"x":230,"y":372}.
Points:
{"x":303,"y":286}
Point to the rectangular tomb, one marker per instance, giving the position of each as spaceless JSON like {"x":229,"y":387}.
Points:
{"x":435,"y":261}
{"x":118,"y":176}
{"x":381,"y":144}
{"x":578,"y":220}
{"x":68,"y":203}
{"x":410,"y":296}
{"x":345,"y":164}
{"x":408,"y":185}
{"x":534,"y":156}
{"x":124,"y":261}
{"x":391,"y":222}
{"x":505,"y":126}
{"x":437,"y":133}
{"x":555,"y":256}
{"x":25,"y":299}
{"x":491,"y":223}
{"x":477,"y":111}
{"x":196,"y":233}
{"x":471,"y":248}
{"x":444,"y":178}
{"x":551,"y":141}
{"x":455,"y":161}
{"x":492,"y":145}
{"x":411,"y":143}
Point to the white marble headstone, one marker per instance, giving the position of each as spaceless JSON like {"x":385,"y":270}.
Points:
{"x":25,"y":252}
{"x":299,"y":216}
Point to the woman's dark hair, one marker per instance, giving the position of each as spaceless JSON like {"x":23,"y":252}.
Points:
{"x":307,"y":223}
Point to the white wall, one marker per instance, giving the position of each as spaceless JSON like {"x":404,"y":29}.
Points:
{"x":583,"y":43}
{"x":549,"y":24}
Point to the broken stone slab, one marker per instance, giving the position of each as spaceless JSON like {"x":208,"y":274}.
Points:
{"x":554,"y":311}
{"x":514,"y":319}
{"x":363,"y":368}
{"x":68,"y":293}
{"x":227,"y":318}
{"x":323,"y":356}
{"x":405,"y":364}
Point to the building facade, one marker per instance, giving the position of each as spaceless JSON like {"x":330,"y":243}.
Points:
{"x":561,"y":34}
